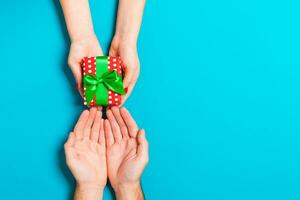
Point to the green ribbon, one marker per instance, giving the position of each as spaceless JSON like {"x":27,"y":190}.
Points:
{"x":98,"y":85}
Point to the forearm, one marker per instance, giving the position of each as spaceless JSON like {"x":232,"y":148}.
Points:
{"x":88,"y":193}
{"x":132,"y":192}
{"x":78,"y":18}
{"x":130,"y":14}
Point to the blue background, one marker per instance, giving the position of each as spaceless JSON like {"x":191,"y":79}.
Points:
{"x":218,"y":95}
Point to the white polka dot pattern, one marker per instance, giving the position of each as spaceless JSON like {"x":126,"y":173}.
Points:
{"x":114,"y":63}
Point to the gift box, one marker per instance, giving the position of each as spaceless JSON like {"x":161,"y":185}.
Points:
{"x":102,"y":80}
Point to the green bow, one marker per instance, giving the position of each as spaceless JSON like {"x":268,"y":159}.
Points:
{"x":98,"y":85}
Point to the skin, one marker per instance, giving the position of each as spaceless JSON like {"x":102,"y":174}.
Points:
{"x":86,"y":155}
{"x":124,"y":43}
{"x":115,"y":149}
{"x":83,"y":39}
{"x":85,"y":43}
{"x":127,"y":154}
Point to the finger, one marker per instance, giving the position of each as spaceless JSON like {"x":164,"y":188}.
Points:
{"x":101,"y":140}
{"x":71,"y":140}
{"x":142,"y":149}
{"x":114,"y":126}
{"x":68,"y":146}
{"x":80,"y":89}
{"x":80,"y":124}
{"x":128,"y":93}
{"x":99,"y":108}
{"x":109,"y":138}
{"x":131,"y":86}
{"x":96,"y":127}
{"x":113,"y":51}
{"x":129,"y":121}
{"x":129,"y":73}
{"x":120,"y":121}
{"x":89,"y":123}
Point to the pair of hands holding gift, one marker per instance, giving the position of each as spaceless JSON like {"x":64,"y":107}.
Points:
{"x":84,"y":42}
{"x":114,"y":148}
{"x":90,"y":47}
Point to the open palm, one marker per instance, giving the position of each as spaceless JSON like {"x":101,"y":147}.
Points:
{"x":86,"y":151}
{"x":127,"y":148}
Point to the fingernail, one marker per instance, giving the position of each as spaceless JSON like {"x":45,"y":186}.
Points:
{"x":126,"y":89}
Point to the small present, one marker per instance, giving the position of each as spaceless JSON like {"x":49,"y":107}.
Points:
{"x":102,"y":81}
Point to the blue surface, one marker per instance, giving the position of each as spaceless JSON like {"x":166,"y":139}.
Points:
{"x":218,"y":95}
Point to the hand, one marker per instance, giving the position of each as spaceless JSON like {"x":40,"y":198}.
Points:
{"x":86,"y":151}
{"x":84,"y":47}
{"x":127,"y":153}
{"x":128,"y":52}
{"x":124,"y":43}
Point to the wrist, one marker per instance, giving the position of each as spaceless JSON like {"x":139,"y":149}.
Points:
{"x":129,"y":191}
{"x":126,"y":39}
{"x":90,"y":186}
{"x":89,"y":191}
{"x":83,"y":36}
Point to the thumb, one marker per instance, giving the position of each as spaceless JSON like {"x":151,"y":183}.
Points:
{"x":113,"y":51}
{"x":70,"y":141}
{"x":68,"y":146}
{"x":142,"y":149}
{"x":128,"y":76}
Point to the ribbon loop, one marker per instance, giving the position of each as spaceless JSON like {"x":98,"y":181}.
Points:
{"x":110,"y":79}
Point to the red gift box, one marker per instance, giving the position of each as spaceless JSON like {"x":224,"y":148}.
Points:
{"x":113,"y":63}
